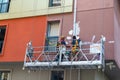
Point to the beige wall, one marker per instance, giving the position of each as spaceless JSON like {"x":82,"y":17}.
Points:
{"x":76,"y":74}
{"x":27,"y":8}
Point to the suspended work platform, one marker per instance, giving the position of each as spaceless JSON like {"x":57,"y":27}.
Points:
{"x":87,"y":54}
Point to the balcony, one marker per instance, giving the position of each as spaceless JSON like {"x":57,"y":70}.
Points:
{"x":88,"y":55}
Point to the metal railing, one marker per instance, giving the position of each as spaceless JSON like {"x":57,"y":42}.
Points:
{"x":87,"y":53}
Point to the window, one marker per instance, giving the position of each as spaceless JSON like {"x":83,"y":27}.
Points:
{"x":57,"y":75}
{"x":2,"y":35}
{"x":52,"y":35}
{"x":54,"y":3}
{"x":4,"y":75}
{"x":4,"y":5}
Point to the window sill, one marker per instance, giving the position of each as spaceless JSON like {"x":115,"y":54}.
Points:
{"x":54,"y":6}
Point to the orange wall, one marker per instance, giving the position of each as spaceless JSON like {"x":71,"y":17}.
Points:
{"x":18,"y":33}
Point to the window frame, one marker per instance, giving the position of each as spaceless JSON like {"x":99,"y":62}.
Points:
{"x":6,"y":8}
{"x":49,"y":27}
{"x":51,"y":37}
{"x":52,"y":4}
{"x":7,"y":70}
{"x":3,"y":46}
{"x":58,"y":71}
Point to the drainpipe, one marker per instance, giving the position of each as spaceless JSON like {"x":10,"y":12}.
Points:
{"x":79,"y":74}
{"x":74,"y":21}
{"x":74,"y":29}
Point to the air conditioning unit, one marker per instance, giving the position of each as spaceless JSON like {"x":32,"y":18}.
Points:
{"x":56,"y":2}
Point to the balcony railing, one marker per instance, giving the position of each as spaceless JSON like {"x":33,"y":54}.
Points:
{"x":87,"y":54}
